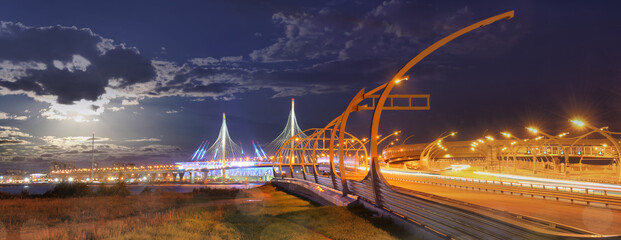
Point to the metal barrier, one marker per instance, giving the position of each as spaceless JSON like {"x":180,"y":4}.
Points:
{"x":454,"y":219}
{"x":585,"y":195}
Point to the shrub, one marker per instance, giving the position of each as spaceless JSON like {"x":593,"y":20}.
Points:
{"x":118,"y":189}
{"x":25,"y":193}
{"x":103,"y":190}
{"x":146,"y":190}
{"x":65,"y":190}
{"x":4,"y":195}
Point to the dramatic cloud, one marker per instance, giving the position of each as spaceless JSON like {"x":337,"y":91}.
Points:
{"x":79,"y":73}
{"x":77,"y":148}
{"x":10,"y":142}
{"x":13,"y":136}
{"x":4,"y":116}
{"x":79,"y":64}
{"x":7,"y":131}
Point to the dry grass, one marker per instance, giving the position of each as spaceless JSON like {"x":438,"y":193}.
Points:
{"x":87,"y":217}
{"x":279,"y":216}
{"x":186,"y":216}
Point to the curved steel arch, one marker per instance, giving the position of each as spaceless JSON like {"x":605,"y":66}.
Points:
{"x":278,"y":153}
{"x":341,"y":120}
{"x":388,"y":88}
{"x":303,"y":146}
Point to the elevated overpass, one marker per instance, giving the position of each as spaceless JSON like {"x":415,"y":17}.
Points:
{"x":182,"y":171}
{"x":561,"y":155}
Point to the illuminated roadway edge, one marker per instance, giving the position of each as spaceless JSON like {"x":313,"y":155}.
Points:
{"x":423,"y":227}
{"x":518,"y":178}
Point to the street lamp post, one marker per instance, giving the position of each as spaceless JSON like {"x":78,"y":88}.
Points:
{"x":508,"y":135}
{"x":474,"y":147}
{"x":513,"y":151}
{"x":426,"y":153}
{"x":614,"y":142}
{"x":491,"y":152}
{"x":407,"y":139}
{"x":92,"y":156}
{"x":553,"y":138}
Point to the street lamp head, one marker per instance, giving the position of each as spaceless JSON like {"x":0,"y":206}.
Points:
{"x":405,"y":78}
{"x":577,"y":122}
{"x":489,"y":138}
{"x":453,"y":133}
{"x":506,"y":134}
{"x":532,"y":129}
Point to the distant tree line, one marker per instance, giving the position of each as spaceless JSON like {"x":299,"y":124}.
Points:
{"x":77,"y":189}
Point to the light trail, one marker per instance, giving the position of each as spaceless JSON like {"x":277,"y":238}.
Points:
{"x":601,"y":186}
{"x":540,"y":183}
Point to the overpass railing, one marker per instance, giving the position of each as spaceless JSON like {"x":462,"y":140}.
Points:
{"x":607,"y":197}
{"x":451,"y":219}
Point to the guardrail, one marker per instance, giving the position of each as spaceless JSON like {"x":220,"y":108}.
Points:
{"x":587,"y":196}
{"x":453,"y":219}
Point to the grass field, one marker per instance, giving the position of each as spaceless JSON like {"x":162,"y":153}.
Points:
{"x":261,"y":213}
{"x":278,"y":216}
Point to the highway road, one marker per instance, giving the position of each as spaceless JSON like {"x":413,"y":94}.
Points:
{"x":596,"y":219}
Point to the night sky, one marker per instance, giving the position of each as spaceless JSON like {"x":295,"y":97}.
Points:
{"x":152,"y":78}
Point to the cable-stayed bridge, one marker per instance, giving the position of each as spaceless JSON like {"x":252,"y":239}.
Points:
{"x":223,"y":160}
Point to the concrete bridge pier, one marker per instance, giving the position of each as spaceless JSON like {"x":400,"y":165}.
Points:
{"x":192,"y":175}
{"x":164,"y":176}
{"x":223,"y":176}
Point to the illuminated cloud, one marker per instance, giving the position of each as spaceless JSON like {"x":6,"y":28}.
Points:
{"x":13,"y":136}
{"x":4,"y":116}
{"x":144,"y":140}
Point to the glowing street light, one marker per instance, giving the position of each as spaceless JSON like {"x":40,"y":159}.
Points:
{"x":577,"y":122}
{"x":606,"y":134}
{"x":532,"y":129}
{"x":405,"y":78}
{"x":506,"y":134}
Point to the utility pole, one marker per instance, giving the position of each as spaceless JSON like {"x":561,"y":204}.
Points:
{"x":92,"y":156}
